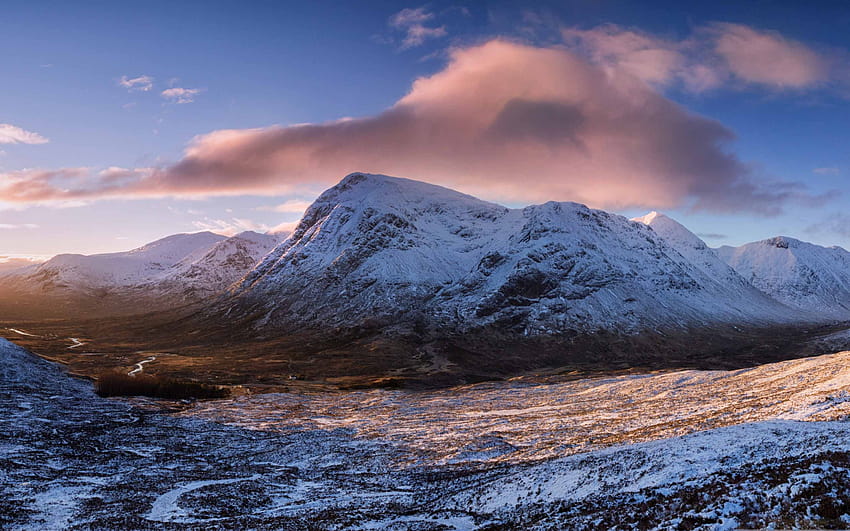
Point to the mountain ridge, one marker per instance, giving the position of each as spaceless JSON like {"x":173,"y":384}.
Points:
{"x":171,"y":271}
{"x":801,"y":274}
{"x":398,"y":240}
{"x":393,"y":280}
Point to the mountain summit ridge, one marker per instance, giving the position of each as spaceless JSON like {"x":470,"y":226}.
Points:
{"x":800,"y":274}
{"x":384,"y":249}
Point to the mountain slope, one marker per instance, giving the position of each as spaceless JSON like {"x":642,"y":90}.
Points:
{"x":81,"y":272}
{"x":72,"y":460}
{"x":221,"y":265}
{"x":696,"y":252}
{"x":171,"y":271}
{"x":388,"y":277}
{"x":383,"y":251}
{"x":799,"y":274}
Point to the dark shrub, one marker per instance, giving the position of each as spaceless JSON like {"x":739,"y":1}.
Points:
{"x":115,"y":383}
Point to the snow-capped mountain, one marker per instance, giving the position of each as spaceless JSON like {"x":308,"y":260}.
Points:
{"x":800,"y":274}
{"x":697,"y":253}
{"x":383,"y":250}
{"x":174,"y":270}
{"x":130,"y":268}
{"x":220,"y":266}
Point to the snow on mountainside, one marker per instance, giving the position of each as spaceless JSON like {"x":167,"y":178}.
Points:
{"x":222,"y":264}
{"x":75,"y":271}
{"x":695,"y":251}
{"x":388,"y":249}
{"x":800,"y":274}
{"x":173,"y":271}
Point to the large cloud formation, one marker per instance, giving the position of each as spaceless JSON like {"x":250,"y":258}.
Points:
{"x":504,"y":120}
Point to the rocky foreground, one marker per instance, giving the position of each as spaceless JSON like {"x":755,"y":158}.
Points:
{"x":521,"y":454}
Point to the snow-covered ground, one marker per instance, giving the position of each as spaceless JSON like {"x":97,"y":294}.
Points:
{"x":503,"y":455}
{"x":520,"y":421}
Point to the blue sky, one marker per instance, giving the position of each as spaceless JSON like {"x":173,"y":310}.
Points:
{"x":258,"y":65}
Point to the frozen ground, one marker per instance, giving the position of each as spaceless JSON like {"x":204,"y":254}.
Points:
{"x":521,"y":421}
{"x":496,"y":456}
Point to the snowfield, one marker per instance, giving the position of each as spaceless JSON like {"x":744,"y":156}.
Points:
{"x":520,"y":421}
{"x":520,"y":454}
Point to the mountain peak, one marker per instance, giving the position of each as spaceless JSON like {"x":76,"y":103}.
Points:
{"x":800,"y":274}
{"x":647,"y":219}
{"x":361,"y":185}
{"x":782,"y":242}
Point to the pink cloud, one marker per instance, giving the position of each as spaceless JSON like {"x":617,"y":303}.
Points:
{"x":180,"y":95}
{"x":708,"y":59}
{"x":10,"y":134}
{"x":502,"y":120}
{"x":140,"y":83}
{"x":768,"y":58}
{"x":647,"y":57}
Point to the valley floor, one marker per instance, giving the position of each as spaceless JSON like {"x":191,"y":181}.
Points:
{"x":675,"y":450}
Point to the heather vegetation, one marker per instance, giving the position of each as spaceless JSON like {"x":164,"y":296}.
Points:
{"x":115,"y":383}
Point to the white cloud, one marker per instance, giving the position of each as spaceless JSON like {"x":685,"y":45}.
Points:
{"x":412,"y":23}
{"x":141,"y":83}
{"x":9,"y":134}
{"x":284,"y":229}
{"x":180,"y":95}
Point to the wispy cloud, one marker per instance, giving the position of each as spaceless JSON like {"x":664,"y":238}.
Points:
{"x":832,"y":170}
{"x":768,"y":58}
{"x":713,"y":56}
{"x":140,"y":83}
{"x":292,"y":206}
{"x":9,"y":134}
{"x":229,"y":227}
{"x":15,"y":226}
{"x":413,"y":22}
{"x":180,"y":95}
{"x":836,"y":223}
